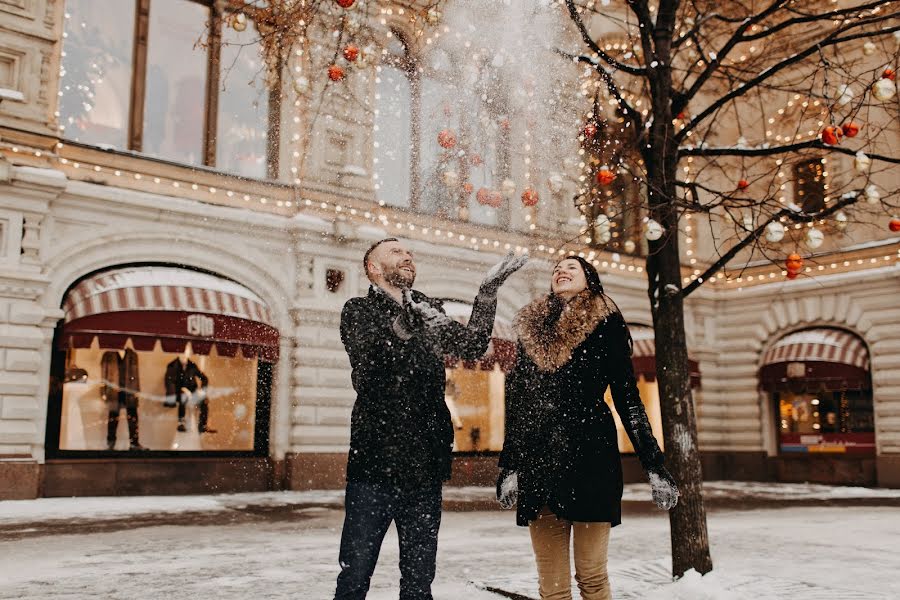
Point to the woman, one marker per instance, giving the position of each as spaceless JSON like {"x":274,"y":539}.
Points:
{"x":561,"y":458}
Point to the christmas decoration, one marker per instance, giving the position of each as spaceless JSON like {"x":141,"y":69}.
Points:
{"x":832,"y":135}
{"x":351,"y":52}
{"x":301,"y":85}
{"x":793,"y":263}
{"x":433,"y":16}
{"x":862,"y":162}
{"x":814,"y":238}
{"x":345,"y":3}
{"x":508,"y":187}
{"x":792,"y":274}
{"x":889,"y":74}
{"x":451,"y":178}
{"x":850,"y":129}
{"x":774,"y":232}
{"x":468,"y":187}
{"x":743,"y":184}
{"x":872,"y":194}
{"x":884,"y":90}
{"x":530,"y":197}
{"x":894,"y":225}
{"x":447,"y":139}
{"x":487,"y":197}
{"x":840,"y":220}
{"x":845,"y":95}
{"x":605,"y":176}
{"x":629,"y":246}
{"x":654,"y":230}
{"x":869,"y":48}
{"x":335,"y":73}
{"x":590,"y":130}
{"x":239,"y":22}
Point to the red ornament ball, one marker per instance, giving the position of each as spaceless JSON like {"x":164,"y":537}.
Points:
{"x":850,"y":129}
{"x":889,"y":74}
{"x":792,"y":274}
{"x":590,"y":130}
{"x":487,"y":197}
{"x":335,"y":73}
{"x":468,"y":187}
{"x":894,"y":225}
{"x":345,"y":3}
{"x":794,"y":263}
{"x":351,"y":52}
{"x":446,"y":139}
{"x":605,"y":176}
{"x":530,"y":197}
{"x":743,"y":184}
{"x":832,"y":135}
{"x":681,"y":116}
{"x":476,"y":160}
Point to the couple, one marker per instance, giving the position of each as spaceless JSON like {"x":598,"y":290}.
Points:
{"x":560,"y":463}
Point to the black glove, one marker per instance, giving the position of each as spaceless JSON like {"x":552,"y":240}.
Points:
{"x":500,"y":272}
{"x":507,"y":488}
{"x":409,"y":322}
{"x":665,"y":491}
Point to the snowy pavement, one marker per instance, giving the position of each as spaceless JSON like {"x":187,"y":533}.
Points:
{"x":284,"y":545}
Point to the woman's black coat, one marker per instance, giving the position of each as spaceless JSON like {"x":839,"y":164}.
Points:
{"x":560,"y":434}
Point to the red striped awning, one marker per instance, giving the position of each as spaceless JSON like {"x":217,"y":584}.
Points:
{"x":171,"y":306}
{"x":819,"y":345}
{"x":643,"y":355}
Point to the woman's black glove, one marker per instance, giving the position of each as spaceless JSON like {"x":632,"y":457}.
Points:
{"x":665,"y":491}
{"x":507,"y":488}
{"x":500,"y":272}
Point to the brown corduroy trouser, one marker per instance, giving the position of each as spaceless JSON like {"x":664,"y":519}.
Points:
{"x":550,"y":537}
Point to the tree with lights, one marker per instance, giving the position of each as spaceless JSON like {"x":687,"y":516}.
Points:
{"x":718,"y":103}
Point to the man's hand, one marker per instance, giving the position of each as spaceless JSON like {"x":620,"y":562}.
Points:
{"x":507,"y":488}
{"x":500,"y":272}
{"x":428,"y":317}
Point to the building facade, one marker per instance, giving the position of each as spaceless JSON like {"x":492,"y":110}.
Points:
{"x":173,"y":264}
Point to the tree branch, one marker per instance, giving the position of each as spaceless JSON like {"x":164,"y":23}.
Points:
{"x":813,"y":18}
{"x":772,"y":151}
{"x":586,"y":37}
{"x":633,"y":115}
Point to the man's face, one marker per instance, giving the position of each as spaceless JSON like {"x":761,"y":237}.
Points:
{"x":393,"y":262}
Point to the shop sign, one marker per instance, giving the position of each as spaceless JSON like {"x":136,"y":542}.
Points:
{"x":796,"y":370}
{"x":201,"y":325}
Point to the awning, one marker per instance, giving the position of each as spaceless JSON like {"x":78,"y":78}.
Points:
{"x":820,"y":358}
{"x":502,"y":349}
{"x":643,"y":355}
{"x":174,"y":306}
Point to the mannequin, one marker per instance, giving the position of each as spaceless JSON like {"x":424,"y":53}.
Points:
{"x":119,"y":389}
{"x":185,"y":382}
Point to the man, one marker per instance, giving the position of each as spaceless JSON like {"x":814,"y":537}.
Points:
{"x":401,"y":433}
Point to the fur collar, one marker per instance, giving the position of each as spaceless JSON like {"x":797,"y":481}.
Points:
{"x":551,"y":347}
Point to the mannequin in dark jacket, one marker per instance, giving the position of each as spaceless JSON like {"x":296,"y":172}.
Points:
{"x":560,"y":458}
{"x":401,"y":434}
{"x":120,"y":388}
{"x":183,"y":375}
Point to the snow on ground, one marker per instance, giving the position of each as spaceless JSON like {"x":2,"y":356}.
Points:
{"x":796,"y":553}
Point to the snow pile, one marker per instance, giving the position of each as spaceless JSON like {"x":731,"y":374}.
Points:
{"x":694,"y":586}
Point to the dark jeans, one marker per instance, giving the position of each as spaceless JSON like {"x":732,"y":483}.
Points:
{"x":112,"y":423}
{"x":204,"y":413}
{"x":370,"y":508}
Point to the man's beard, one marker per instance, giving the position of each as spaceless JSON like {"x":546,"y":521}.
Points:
{"x":398,"y":278}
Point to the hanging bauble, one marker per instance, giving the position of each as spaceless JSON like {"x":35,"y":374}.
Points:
{"x":743,"y":184}
{"x":508,"y":187}
{"x":530,"y":196}
{"x":840,"y":220}
{"x":630,"y":246}
{"x":433,"y":16}
{"x":894,"y":225}
{"x":872,"y":194}
{"x":747,"y":221}
{"x":774,"y":232}
{"x":850,"y":129}
{"x":487,"y":197}
{"x":446,"y":138}
{"x":845,"y":95}
{"x":681,"y":116}
{"x":889,"y":74}
{"x":335,"y":73}
{"x":239,"y":22}
{"x":481,"y":196}
{"x":792,"y":274}
{"x":476,"y":160}
{"x":468,"y":187}
{"x":555,"y":182}
{"x":862,"y":162}
{"x":605,"y":176}
{"x":589,"y":131}
{"x":814,"y":238}
{"x":884,"y":90}
{"x":654,"y":230}
{"x":793,"y":263}
{"x":345,"y":3}
{"x":301,"y":85}
{"x":351,"y":52}
{"x":869,"y":48}
{"x":451,"y":178}
{"x":832,"y":135}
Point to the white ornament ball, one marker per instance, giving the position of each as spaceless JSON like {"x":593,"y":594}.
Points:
{"x":239,"y":22}
{"x":748,"y":222}
{"x":301,"y":85}
{"x":433,"y":16}
{"x":602,"y":228}
{"x":451,"y":178}
{"x":814,"y":238}
{"x":508,"y":187}
{"x":884,"y":90}
{"x":630,"y":246}
{"x":872,"y":194}
{"x":555,"y":182}
{"x":869,"y":48}
{"x":654,"y":230}
{"x":774,"y":232}
{"x":840,"y":220}
{"x":845,"y":95}
{"x":862,"y":163}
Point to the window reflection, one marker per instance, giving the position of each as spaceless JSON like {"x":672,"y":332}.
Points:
{"x":393,"y":132}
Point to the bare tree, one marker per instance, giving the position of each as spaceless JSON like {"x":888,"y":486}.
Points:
{"x":726,"y":104}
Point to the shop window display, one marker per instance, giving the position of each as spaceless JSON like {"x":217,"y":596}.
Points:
{"x":475,"y":399}
{"x":649,"y":391}
{"x":826,"y":421}
{"x":127,"y":401}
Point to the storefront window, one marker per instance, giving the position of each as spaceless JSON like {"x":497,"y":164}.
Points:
{"x":475,"y":399}
{"x":95,"y":78}
{"x":826,"y":421}
{"x":393,"y":132}
{"x":127,"y":400}
{"x":649,"y":391}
